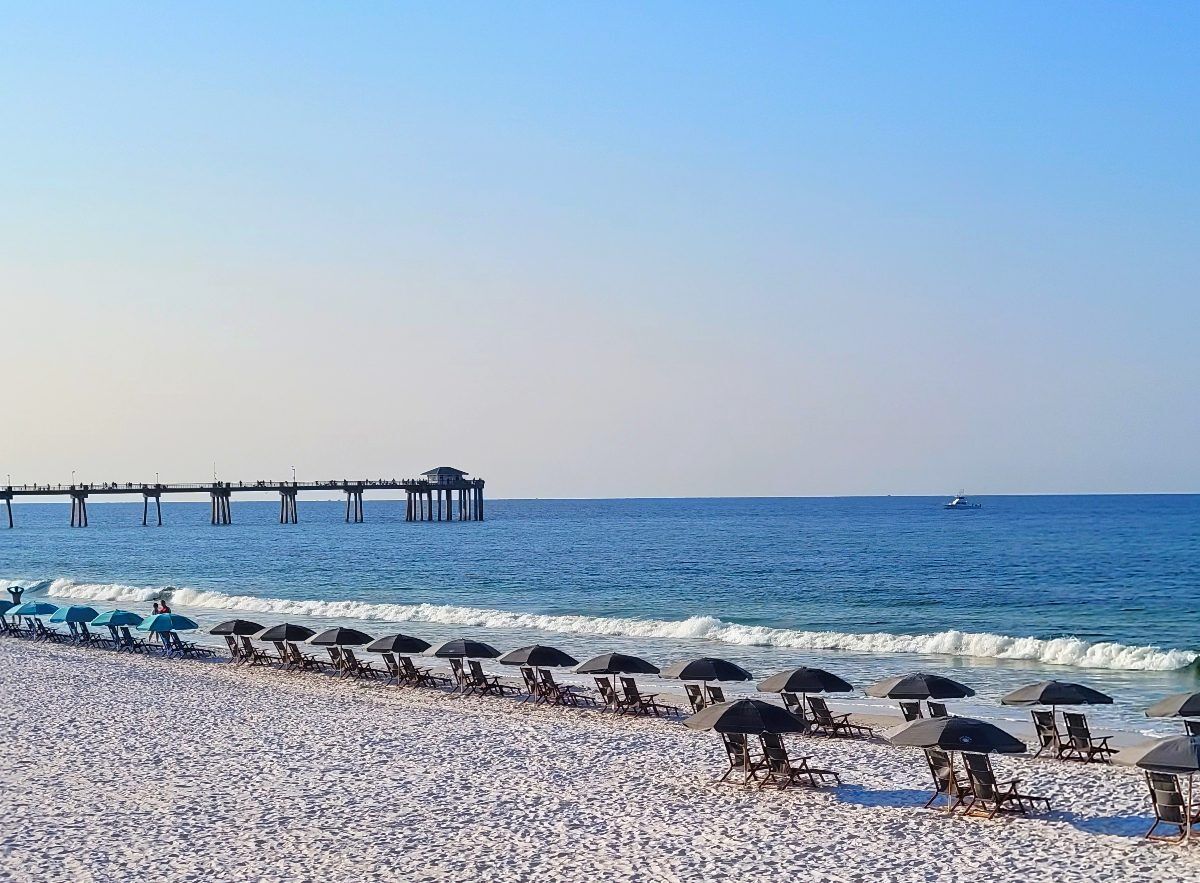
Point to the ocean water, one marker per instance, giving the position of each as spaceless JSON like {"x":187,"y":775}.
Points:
{"x":1099,"y":589}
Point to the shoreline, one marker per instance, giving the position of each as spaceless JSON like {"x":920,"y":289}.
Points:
{"x":199,"y":771}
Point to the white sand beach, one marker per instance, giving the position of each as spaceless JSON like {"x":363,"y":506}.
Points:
{"x":120,"y":767}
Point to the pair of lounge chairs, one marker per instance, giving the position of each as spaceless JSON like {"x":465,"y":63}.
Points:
{"x":911,"y":709}
{"x":1077,"y":744}
{"x":472,"y":680}
{"x":1170,"y":807}
{"x":175,"y":646}
{"x":975,"y":789}
{"x":823,"y":722}
{"x":699,"y":698}
{"x":770,"y":765}
{"x":631,"y":700}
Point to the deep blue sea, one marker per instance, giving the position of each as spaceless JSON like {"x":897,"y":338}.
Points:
{"x":1099,"y":589}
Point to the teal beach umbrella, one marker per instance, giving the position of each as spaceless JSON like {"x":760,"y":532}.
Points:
{"x":74,"y":613}
{"x":117,"y":617}
{"x":34,"y":608}
{"x":6,"y":606}
{"x":166,"y":622}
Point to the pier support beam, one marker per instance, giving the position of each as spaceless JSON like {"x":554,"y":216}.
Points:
{"x":354,"y":505}
{"x":147,"y":494}
{"x":287,"y":506}
{"x":221,"y":512}
{"x":79,"y":509}
{"x":8,"y":507}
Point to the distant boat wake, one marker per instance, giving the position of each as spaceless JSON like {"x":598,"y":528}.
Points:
{"x":1050,"y":651}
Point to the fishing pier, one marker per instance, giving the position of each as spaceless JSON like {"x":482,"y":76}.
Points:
{"x":441,"y":494}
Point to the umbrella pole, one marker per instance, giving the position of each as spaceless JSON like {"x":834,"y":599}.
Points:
{"x":950,"y":786}
{"x":1187,"y":816}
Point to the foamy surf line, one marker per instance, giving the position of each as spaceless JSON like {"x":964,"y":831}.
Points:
{"x":1054,"y":651}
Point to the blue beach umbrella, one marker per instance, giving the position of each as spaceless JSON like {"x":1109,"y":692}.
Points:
{"x":74,"y":613}
{"x":117,"y":617}
{"x":166,"y":622}
{"x":6,"y":606}
{"x":34,"y":608}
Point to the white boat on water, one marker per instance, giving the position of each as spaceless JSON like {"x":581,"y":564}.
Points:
{"x":961,"y":502}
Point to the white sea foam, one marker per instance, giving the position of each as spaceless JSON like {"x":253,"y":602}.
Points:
{"x":1054,"y":651}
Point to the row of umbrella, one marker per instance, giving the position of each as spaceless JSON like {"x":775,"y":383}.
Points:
{"x":79,"y":613}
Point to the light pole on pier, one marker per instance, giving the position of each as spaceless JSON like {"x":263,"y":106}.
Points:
{"x":293,"y":475}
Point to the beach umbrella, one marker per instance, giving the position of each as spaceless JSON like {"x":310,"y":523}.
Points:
{"x":706,"y":668}
{"x":6,"y":606}
{"x":752,"y":716}
{"x":1055,"y":693}
{"x":117,"y":617}
{"x":236,"y":627}
{"x":617,"y":664}
{"x":287,"y":632}
{"x":1179,"y":705}
{"x":34,"y":608}
{"x":957,"y":734}
{"x":461,"y":648}
{"x":919,"y":685}
{"x":402,"y":644}
{"x":1179,"y":755}
{"x":804,"y":680}
{"x":341,"y":637}
{"x":166,"y":622}
{"x":74,"y":613}
{"x":538,"y":656}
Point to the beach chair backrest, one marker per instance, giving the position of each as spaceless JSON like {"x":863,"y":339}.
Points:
{"x":776,"y":755}
{"x":406,"y":666}
{"x":629,"y":689}
{"x":1167,"y":797}
{"x":393,"y":667}
{"x":281,"y":650}
{"x":126,"y":637}
{"x":530,"y":678}
{"x":73,"y":629}
{"x":736,"y":748}
{"x":911,"y":711}
{"x":715,"y":694}
{"x":335,"y":656}
{"x":607,"y":693}
{"x":695,"y":697}
{"x":548,"y":680}
{"x":456,"y":669}
{"x":1077,"y":730}
{"x":937,"y":709}
{"x":820,"y":710}
{"x":477,"y":675}
{"x":293,"y":653}
{"x":173,"y":640}
{"x":979,"y":772}
{"x":232,"y":644}
{"x":1046,"y":727}
{"x":940,"y":768}
{"x":350,"y":660}
{"x":116,"y":637}
{"x":1192,"y":727}
{"x":247,"y":647}
{"x":84,"y":633}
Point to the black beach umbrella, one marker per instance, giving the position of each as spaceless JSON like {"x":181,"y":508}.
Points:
{"x":461,"y":648}
{"x":341,"y":637}
{"x":1055,"y":693}
{"x":1175,"y":754}
{"x":919,"y":685}
{"x":1179,"y":705}
{"x":804,"y":680}
{"x":706,"y":669}
{"x":538,"y":656}
{"x":617,"y":664}
{"x":753,"y":716}
{"x":236,"y":627}
{"x":957,"y":734}
{"x":402,"y":644}
{"x":287,"y":632}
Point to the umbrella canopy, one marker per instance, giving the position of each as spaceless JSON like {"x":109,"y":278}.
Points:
{"x":34,"y":608}
{"x":617,"y":664}
{"x":1179,"y":705}
{"x":465,"y":647}
{"x":341,"y":637}
{"x":707,"y":668}
{"x":746,"y":716}
{"x":919,"y":685}
{"x":74,"y":613}
{"x":1056,"y":693}
{"x":287,"y":632}
{"x":166,"y":622}
{"x":804,"y":680}
{"x":403,"y":644}
{"x":117,"y":617}
{"x":5,"y":606}
{"x":538,"y":656}
{"x":236,"y":627}
{"x":957,"y":734}
{"x":1175,"y":754}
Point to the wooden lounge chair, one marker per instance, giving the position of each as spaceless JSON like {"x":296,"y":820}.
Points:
{"x":563,"y":694}
{"x":695,"y":697}
{"x":1081,"y":744}
{"x":488,"y":685}
{"x":335,"y":658}
{"x":392,"y":668}
{"x":303,"y":661}
{"x":252,"y":654}
{"x":1170,"y":807}
{"x":282,"y":656}
{"x":419,"y":677}
{"x":742,"y":761}
{"x":826,"y":722}
{"x":54,"y":636}
{"x":937,"y":709}
{"x":911,"y":710}
{"x":1049,"y":738}
{"x":352,"y":666}
{"x":780,"y":770}
{"x":133,"y":644}
{"x":641,"y":703}
{"x":989,"y":797}
{"x":608,"y":695}
{"x":946,"y":780}
{"x":235,"y":652}
{"x":714,"y":694}
{"x":462,"y":683}
{"x":179,"y":647}
{"x":533,"y":690}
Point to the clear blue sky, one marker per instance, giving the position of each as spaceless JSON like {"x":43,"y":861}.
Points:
{"x":605,"y":250}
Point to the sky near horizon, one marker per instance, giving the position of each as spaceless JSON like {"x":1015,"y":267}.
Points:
{"x":604,"y":250}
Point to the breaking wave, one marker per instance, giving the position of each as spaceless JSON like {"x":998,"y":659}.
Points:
{"x":1051,"y":651}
